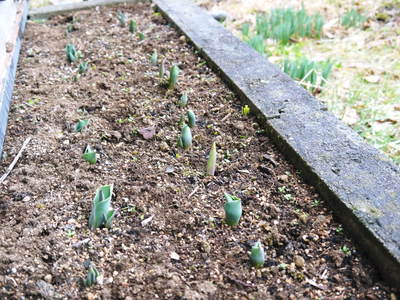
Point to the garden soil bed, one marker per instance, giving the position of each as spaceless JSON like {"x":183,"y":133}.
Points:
{"x":185,"y":250}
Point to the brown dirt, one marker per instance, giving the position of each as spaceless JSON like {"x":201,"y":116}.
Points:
{"x":45,"y":203}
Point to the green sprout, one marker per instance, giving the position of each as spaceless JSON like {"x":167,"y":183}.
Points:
{"x":132,"y":26}
{"x":102,"y":214}
{"x":161,"y":70}
{"x":191,"y":118}
{"x":80,"y":125}
{"x":352,"y":18}
{"x":185,"y":139}
{"x":346,"y":251}
{"x":183,"y":100}
{"x":212,"y":160}
{"x":70,"y":28}
{"x":245,"y":110}
{"x":92,"y":276}
{"x":173,"y":77}
{"x":90,"y":155}
{"x":71,"y":53}
{"x":154,"y":57}
{"x":141,"y":36}
{"x":233,"y":209}
{"x":83,"y":66}
{"x":121,"y":18}
{"x":257,"y":256}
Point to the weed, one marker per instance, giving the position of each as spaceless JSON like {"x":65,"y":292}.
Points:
{"x":212,"y":160}
{"x":141,"y":36}
{"x":352,"y":18}
{"x":245,"y":110}
{"x":346,"y":251}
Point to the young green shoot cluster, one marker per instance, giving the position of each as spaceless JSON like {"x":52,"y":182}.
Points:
{"x":311,"y":74}
{"x":257,"y":255}
{"x":141,"y":36}
{"x":92,"y":276}
{"x":83,"y":66}
{"x":173,"y":77}
{"x":80,"y":125}
{"x":132,"y":26}
{"x":245,"y":110}
{"x":154,"y":57}
{"x":71,"y":53}
{"x":212,"y":160}
{"x":121,"y":18}
{"x":90,"y":155}
{"x":352,"y":18}
{"x":102,"y":214}
{"x":233,"y":209}
{"x":183,"y":100}
{"x":185,"y":139}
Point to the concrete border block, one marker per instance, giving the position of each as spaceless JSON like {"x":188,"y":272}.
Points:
{"x":361,"y":185}
{"x":8,"y":66}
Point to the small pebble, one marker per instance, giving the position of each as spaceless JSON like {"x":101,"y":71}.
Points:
{"x":299,"y":261}
{"x":48,"y":278}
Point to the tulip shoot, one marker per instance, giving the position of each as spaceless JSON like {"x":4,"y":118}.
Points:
{"x":90,"y":155}
{"x":191,"y":118}
{"x":102,"y":214}
{"x":185,"y":140}
{"x":233,"y":209}
{"x":173,"y":77}
{"x":257,"y":255}
{"x":92,"y":276}
{"x":212,"y":160}
{"x":80,"y":125}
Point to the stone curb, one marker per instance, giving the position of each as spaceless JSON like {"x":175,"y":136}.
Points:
{"x":47,"y":11}
{"x":360,"y":184}
{"x":11,"y":61}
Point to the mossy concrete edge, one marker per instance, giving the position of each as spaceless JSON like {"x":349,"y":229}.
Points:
{"x":6,"y":87}
{"x":51,"y":10}
{"x":360,"y":184}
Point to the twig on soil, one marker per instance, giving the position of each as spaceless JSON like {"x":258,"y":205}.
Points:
{"x":239,"y":282}
{"x":226,"y":117}
{"x":314,"y":284}
{"x":14,"y":162}
{"x":193,"y":192}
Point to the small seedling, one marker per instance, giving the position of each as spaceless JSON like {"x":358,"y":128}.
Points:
{"x":90,"y":155}
{"x":346,"y":251}
{"x":80,"y":125}
{"x":71,"y":53}
{"x":83,"y":66}
{"x":185,"y":140}
{"x":70,"y":28}
{"x":173,"y":77}
{"x":183,"y":100}
{"x":245,"y":110}
{"x":141,"y":36}
{"x":257,"y":255}
{"x":161,"y":70}
{"x":212,"y":160}
{"x":132,"y":26}
{"x":92,"y":276}
{"x":121,"y":18}
{"x":154,"y":57}
{"x":102,"y":214}
{"x":191,"y":118}
{"x":233,"y":209}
